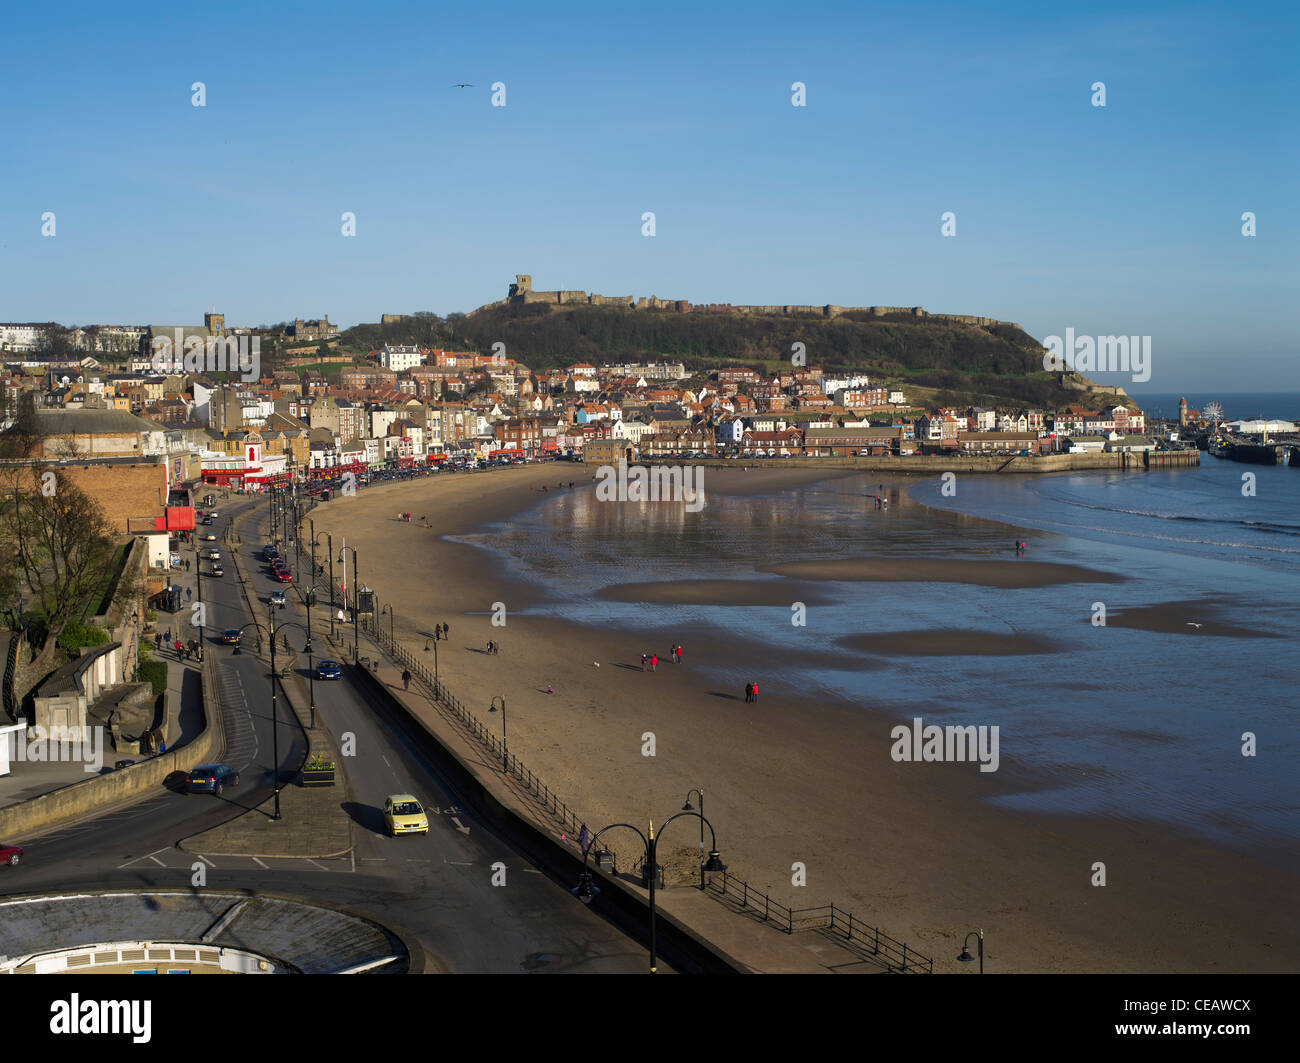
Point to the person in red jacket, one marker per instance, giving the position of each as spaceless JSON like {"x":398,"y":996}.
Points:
{"x":754,"y":690}
{"x":654,"y":660}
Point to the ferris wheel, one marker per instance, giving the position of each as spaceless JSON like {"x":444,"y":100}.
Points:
{"x":1212,"y":411}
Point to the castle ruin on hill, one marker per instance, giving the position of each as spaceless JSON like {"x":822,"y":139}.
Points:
{"x":521,"y":292}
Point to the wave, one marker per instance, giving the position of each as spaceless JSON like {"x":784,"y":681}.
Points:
{"x":1256,"y":525}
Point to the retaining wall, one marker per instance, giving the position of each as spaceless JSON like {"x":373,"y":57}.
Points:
{"x":51,"y":809}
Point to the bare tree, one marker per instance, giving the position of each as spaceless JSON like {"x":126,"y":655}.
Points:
{"x":61,"y":542}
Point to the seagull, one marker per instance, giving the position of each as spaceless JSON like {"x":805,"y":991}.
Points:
{"x":462,"y":85}
{"x":1192,"y":623}
{"x":596,"y":663}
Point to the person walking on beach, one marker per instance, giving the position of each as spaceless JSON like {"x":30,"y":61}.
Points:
{"x":445,"y":629}
{"x":496,"y":648}
{"x":654,"y":660}
{"x":749,"y":692}
{"x":644,"y":659}
{"x":753,"y":690}
{"x":406,"y":679}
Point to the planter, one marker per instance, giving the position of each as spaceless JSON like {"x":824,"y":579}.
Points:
{"x":317,"y":776}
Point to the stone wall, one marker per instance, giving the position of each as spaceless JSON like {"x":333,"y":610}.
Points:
{"x":522,"y":292}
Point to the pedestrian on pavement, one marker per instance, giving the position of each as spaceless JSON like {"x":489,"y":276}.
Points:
{"x":584,"y":838}
{"x":189,"y":593}
{"x":167,"y":635}
{"x":157,"y":640}
{"x":178,"y":649}
{"x":406,"y":679}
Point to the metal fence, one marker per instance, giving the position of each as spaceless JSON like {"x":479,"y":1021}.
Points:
{"x":892,"y":954}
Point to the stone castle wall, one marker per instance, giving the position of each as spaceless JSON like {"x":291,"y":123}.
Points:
{"x":522,"y":292}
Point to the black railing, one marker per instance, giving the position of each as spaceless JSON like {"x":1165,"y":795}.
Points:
{"x":892,"y":954}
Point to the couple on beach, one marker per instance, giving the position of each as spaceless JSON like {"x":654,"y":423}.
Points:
{"x":751,"y":691}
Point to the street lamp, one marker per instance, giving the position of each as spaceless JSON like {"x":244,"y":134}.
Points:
{"x":586,"y":890}
{"x":356,"y":600}
{"x":687,"y":808}
{"x":505,"y":756}
{"x":275,"y":715}
{"x":965,"y":956}
{"x":389,"y":610}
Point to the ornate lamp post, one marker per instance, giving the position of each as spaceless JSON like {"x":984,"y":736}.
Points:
{"x":965,"y":956}
{"x":586,"y":890}
{"x":687,"y":808}
{"x":505,"y":754}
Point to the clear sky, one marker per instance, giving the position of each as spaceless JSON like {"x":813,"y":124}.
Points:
{"x":1117,"y":220}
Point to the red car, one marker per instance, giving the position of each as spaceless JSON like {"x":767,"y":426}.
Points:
{"x":11,"y":855}
{"x":284,"y":575}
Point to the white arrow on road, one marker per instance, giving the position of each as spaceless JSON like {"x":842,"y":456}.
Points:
{"x":459,"y":826}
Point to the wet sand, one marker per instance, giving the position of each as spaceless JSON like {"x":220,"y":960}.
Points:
{"x":800,"y":776}
{"x":942,"y":642}
{"x":715,"y":592}
{"x":1193,"y":618}
{"x":983,"y":573}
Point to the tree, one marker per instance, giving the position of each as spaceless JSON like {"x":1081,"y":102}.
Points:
{"x":59,"y":541}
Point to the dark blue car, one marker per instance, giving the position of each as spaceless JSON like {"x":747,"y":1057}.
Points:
{"x":329,"y":670}
{"x":211,"y":778}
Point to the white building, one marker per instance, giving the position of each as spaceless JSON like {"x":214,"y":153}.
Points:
{"x":399,"y":359}
{"x":26,"y":337}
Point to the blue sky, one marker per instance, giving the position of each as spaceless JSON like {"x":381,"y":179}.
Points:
{"x":1115,"y":220}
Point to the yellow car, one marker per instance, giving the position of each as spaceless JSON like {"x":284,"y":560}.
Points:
{"x":403,"y":814}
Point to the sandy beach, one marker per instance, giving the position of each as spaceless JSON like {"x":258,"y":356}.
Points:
{"x":908,"y":847}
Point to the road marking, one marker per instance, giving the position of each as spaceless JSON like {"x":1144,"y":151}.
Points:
{"x":157,"y":861}
{"x":460,"y":826}
{"x":457,"y":863}
{"x":259,"y":863}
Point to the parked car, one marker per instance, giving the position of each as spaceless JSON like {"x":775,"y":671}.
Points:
{"x":11,"y":855}
{"x":211,"y":778}
{"x":403,"y":814}
{"x":231,"y":636}
{"x":328,"y":670}
{"x":278,"y":598}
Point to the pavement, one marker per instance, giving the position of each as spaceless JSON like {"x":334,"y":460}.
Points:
{"x":313,"y":824}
